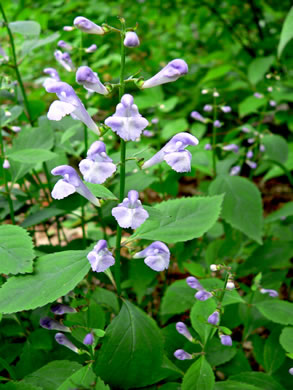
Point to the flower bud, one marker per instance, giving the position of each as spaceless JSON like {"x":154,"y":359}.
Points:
{"x":182,"y":329}
{"x":171,"y":72}
{"x":89,"y":339}
{"x":226,"y":109}
{"x":272,"y":103}
{"x":257,"y":95}
{"x":60,"y":309}
{"x":272,"y":293}
{"x":6,"y":164}
{"x":180,"y":354}
{"x":91,"y":49}
{"x":198,"y":117}
{"x":217,"y":123}
{"x":50,"y":324}
{"x":262,"y":148}
{"x":251,"y":164}
{"x":235,"y":170}
{"x":249,"y":154}
{"x":291,"y":371}
{"x":203,"y":295}
{"x":194,"y":283}
{"x":213,"y":267}
{"x":216,"y":94}
{"x":208,"y":108}
{"x":226,"y":340}
{"x":208,"y":147}
{"x":131,"y":39}
{"x":68,"y":28}
{"x":214,"y":318}
{"x":87,"y":26}
{"x":63,"y":340}
{"x":16,"y":129}
{"x":230,"y":285}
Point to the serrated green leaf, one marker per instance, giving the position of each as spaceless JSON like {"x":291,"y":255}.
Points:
{"x":234,"y":385}
{"x":16,"y":250}
{"x":276,"y":147}
{"x":132,"y":350}
{"x":242,"y":206}
{"x":184,"y":219}
{"x":277,"y":311}
{"x":274,"y":354}
{"x":199,"y":376}
{"x":83,"y":378}
{"x":259,"y":379}
{"x":54,"y":276}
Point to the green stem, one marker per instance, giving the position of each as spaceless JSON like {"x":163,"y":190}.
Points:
{"x":214,"y":135}
{"x":83,"y":226}
{"x":7,"y":189}
{"x":122,"y":164}
{"x":18,"y":76}
{"x":282,"y":166}
{"x":85,"y":132}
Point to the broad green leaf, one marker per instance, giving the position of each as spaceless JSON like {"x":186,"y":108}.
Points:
{"x":242,"y":206}
{"x":41,"y":215}
{"x":199,"y":314}
{"x":16,"y":250}
{"x":173,"y":127}
{"x":26,"y":28}
{"x":100,"y":191}
{"x":169,"y":104}
{"x":276,"y":147}
{"x":54,"y":276}
{"x":100,"y":385}
{"x":132,"y":349}
{"x":183,"y":219}
{"x":259,"y":379}
{"x":218,"y":354}
{"x":284,"y":211}
{"x":234,"y":385}
{"x":287,"y":32}
{"x":178,"y":298}
{"x":83,"y":378}
{"x":199,"y":376}
{"x":18,"y":386}
{"x":32,"y":44}
{"x":277,"y":311}
{"x":10,"y":115}
{"x":250,"y":105}
{"x":32,"y":156}
{"x":216,"y":72}
{"x":53,"y":374}
{"x":286,"y":339}
{"x":274,"y":354}
{"x":106,"y":298}
{"x":258,"y":68}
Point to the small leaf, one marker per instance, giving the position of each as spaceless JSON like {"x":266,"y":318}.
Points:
{"x":82,"y":378}
{"x":183,"y":219}
{"x":100,"y":191}
{"x":274,"y":354}
{"x":258,"y":68}
{"x":16,"y":250}
{"x":199,"y":314}
{"x":286,"y":339}
{"x":32,"y":156}
{"x":276,"y":147}
{"x":199,"y":376}
{"x":26,"y":28}
{"x":287,"y":32}
{"x":242,"y":206}
{"x":250,"y":105}
{"x":55,"y":275}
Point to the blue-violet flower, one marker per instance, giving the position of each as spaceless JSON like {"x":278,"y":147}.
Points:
{"x":89,"y":339}
{"x":130,"y":213}
{"x":235,"y":170}
{"x":214,"y":318}
{"x":180,"y":354}
{"x":197,"y":116}
{"x":226,"y":340}
{"x":63,"y":340}
{"x":272,"y":293}
{"x":64,"y":59}
{"x":91,"y":48}
{"x":49,"y":323}
{"x":60,"y":309}
{"x":64,"y":45}
{"x":100,"y":257}
{"x":157,"y":256}
{"x":87,"y":26}
{"x":182,"y":329}
{"x":90,"y":80}
{"x":171,"y":72}
{"x":131,"y":39}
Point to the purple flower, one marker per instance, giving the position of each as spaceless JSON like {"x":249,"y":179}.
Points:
{"x":174,"y":153}
{"x":91,"y":49}
{"x":70,"y":184}
{"x":87,"y":26}
{"x":68,"y":103}
{"x":249,"y":154}
{"x":64,"y":45}
{"x":52,"y":73}
{"x":148,"y":133}
{"x":157,"y":256}
{"x":60,"y":309}
{"x":226,"y":109}
{"x":208,"y":147}
{"x":194,"y":283}
{"x":131,"y":39}
{"x":89,"y":339}
{"x":272,"y":293}
{"x":251,"y":164}
{"x":90,"y":80}
{"x":182,"y":329}
{"x":16,"y":129}
{"x":100,"y":257}
{"x":257,"y":95}
{"x":49,"y":323}
{"x":6,"y":164}
{"x":3,"y":54}
{"x":245,"y":129}
{"x":197,"y":116}
{"x":68,"y":28}
{"x":155,"y":121}
{"x":216,"y":94}
{"x":251,"y":141}
{"x":262,"y":148}
{"x":127,"y":122}
{"x":171,"y":72}
{"x":235,"y":170}
{"x":64,"y":60}
{"x":180,"y":354}
{"x":208,"y":108}
{"x":130,"y":213}
{"x":63,"y":340}
{"x":214,"y":318}
{"x":272,"y":103}
{"x":98,"y":166}
{"x":203,"y":295}
{"x":217,"y":124}
{"x":231,"y":147}
{"x":226,"y":340}
{"x":291,"y":371}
